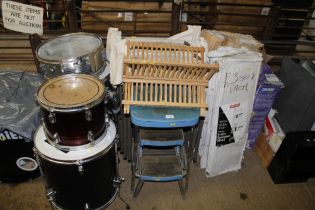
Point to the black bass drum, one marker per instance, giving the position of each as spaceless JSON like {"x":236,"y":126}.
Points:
{"x":79,"y":179}
{"x":17,"y":162}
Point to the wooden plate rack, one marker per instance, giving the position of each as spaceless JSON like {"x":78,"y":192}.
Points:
{"x":152,"y":78}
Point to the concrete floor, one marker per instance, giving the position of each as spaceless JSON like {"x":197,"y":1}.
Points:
{"x":249,"y":188}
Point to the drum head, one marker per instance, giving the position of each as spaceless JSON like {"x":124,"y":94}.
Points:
{"x":51,"y":153}
{"x":69,"y":46}
{"x":71,"y":91}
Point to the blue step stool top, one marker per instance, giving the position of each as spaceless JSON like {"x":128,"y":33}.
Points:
{"x":164,"y":117}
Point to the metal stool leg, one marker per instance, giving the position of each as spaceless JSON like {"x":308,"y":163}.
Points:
{"x":182,"y":188}
{"x":138,"y":188}
{"x":189,"y":153}
{"x":197,"y":140}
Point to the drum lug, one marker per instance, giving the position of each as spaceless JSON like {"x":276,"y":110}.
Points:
{"x":79,"y":61}
{"x":52,"y":117}
{"x":56,"y":138}
{"x":86,"y":207}
{"x":80,"y":167}
{"x":41,"y":121}
{"x":106,"y":119}
{"x":36,"y":156}
{"x":51,"y":195}
{"x":62,"y":67}
{"x":90,"y":136}
{"x":117,"y":181}
{"x":88,"y":115}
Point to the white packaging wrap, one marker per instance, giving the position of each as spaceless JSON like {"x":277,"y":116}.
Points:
{"x":230,"y":98}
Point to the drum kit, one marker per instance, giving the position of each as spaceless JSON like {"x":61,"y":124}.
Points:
{"x":76,"y":145}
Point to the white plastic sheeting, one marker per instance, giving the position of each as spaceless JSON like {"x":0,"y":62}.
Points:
{"x":230,"y":98}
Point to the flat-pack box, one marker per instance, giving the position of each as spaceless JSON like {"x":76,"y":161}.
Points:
{"x":267,"y":90}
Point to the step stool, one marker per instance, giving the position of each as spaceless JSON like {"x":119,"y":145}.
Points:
{"x":162,"y":145}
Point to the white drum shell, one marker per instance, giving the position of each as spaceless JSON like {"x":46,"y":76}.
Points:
{"x":49,"y":152}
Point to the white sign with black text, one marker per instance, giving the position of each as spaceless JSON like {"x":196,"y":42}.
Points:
{"x":22,"y":17}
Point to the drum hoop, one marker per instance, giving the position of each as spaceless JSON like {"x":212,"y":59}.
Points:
{"x":53,"y":61}
{"x":70,"y":109}
{"x":74,"y":162}
{"x":55,"y":206}
{"x":75,"y":148}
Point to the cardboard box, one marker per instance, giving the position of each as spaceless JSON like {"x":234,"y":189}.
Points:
{"x":263,"y":150}
{"x":216,"y":39}
{"x":274,"y":133}
{"x":268,"y":88}
{"x":269,"y":141}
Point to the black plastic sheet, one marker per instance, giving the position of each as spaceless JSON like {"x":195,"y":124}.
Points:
{"x":18,"y":109}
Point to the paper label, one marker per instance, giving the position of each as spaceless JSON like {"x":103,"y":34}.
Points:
{"x":271,"y":78}
{"x":128,"y":16}
{"x":169,"y":116}
{"x":22,"y":17}
{"x":265,"y":11}
{"x":184,"y":17}
{"x":224,"y":131}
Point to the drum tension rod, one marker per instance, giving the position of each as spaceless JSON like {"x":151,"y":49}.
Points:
{"x":107,"y":120}
{"x":88,"y":115}
{"x":80,"y":167}
{"x":90,"y":136}
{"x":56,"y":138}
{"x":52,"y":117}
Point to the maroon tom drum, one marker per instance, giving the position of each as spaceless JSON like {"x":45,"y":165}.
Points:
{"x":73,"y":109}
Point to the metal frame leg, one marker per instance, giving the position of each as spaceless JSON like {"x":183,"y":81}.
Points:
{"x":197,"y":140}
{"x":189,"y":152}
{"x":120,"y":117}
{"x":35,"y":41}
{"x":134,"y":153}
{"x":138,"y":188}
{"x":129,"y":140}
{"x":125,"y":136}
{"x":182,"y":188}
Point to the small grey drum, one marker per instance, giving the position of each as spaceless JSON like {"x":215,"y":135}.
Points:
{"x":79,"y":180}
{"x":71,"y":53}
